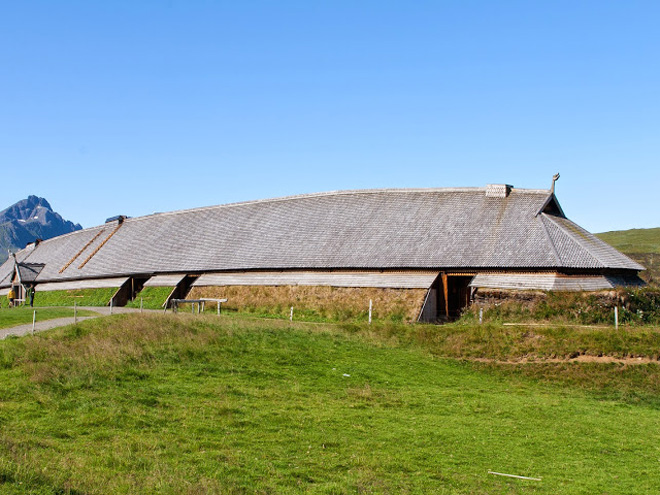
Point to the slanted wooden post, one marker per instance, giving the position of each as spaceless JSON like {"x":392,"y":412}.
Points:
{"x":445,"y":288}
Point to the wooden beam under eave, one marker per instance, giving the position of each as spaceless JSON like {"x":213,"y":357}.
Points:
{"x":445,"y":289}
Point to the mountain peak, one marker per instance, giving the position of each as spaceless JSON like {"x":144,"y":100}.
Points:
{"x":37,"y":201}
{"x":27,"y":220}
{"x":25,"y":209}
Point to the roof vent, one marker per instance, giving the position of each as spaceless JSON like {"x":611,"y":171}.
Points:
{"x":118,"y":218}
{"x":33,"y":244}
{"x":498,"y":190}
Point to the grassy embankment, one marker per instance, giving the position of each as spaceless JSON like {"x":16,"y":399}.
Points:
{"x":642,"y":245}
{"x":183,"y":404}
{"x":317,"y":303}
{"x":635,"y":307}
{"x":82,"y":297}
{"x":152,"y":298}
{"x":23,"y":315}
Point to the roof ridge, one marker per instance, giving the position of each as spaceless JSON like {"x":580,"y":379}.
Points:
{"x":555,"y":252}
{"x":345,"y":192}
{"x":582,"y":241}
{"x":573,"y":238}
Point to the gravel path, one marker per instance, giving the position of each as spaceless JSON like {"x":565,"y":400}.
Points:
{"x":40,"y":326}
{"x":60,"y":322}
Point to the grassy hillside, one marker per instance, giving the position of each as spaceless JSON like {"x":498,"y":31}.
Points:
{"x":196,"y":405}
{"x":634,"y":240}
{"x":642,"y":245}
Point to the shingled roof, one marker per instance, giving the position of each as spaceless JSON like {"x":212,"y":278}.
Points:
{"x":448,"y":228}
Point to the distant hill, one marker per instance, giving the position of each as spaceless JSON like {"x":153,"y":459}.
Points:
{"x":642,"y":245}
{"x":30,"y":219}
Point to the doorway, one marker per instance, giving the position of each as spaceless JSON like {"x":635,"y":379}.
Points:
{"x":452,"y":295}
{"x":459,"y":294}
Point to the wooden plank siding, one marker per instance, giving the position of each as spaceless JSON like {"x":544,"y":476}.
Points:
{"x":168,"y":280}
{"x":547,"y":281}
{"x":394,"y":280}
{"x":84,"y":284}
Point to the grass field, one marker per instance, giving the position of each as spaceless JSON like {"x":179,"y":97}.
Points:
{"x":23,"y":314}
{"x":196,"y":405}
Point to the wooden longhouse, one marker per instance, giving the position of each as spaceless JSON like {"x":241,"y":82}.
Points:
{"x":432,"y":250}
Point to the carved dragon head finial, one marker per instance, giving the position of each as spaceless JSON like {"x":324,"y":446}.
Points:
{"x":555,"y":178}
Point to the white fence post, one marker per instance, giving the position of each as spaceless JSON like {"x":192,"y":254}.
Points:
{"x":34,"y":319}
{"x":616,"y":317}
{"x":371,"y":304}
{"x":75,"y":311}
{"x":110,"y":306}
{"x":481,"y":315}
{"x":291,"y":314}
{"x":140,"y":305}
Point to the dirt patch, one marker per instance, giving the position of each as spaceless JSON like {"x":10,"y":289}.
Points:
{"x":583,"y":358}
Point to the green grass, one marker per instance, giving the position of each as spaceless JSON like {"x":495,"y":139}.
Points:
{"x":83,"y":297}
{"x":152,"y":297}
{"x":192,"y":405}
{"x":542,"y":353}
{"x":505,"y":343}
{"x":23,"y":314}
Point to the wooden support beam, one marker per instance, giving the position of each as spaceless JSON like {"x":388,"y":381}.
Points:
{"x":98,"y":248}
{"x":445,"y":289}
{"x":82,"y":250}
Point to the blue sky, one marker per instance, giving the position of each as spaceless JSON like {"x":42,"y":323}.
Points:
{"x":131,"y":107}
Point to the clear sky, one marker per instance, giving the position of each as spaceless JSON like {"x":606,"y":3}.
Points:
{"x":131,"y":107}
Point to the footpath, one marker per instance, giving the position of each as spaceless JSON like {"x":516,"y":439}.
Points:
{"x":40,"y":326}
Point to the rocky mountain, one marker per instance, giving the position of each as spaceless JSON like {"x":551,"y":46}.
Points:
{"x":30,"y":219}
